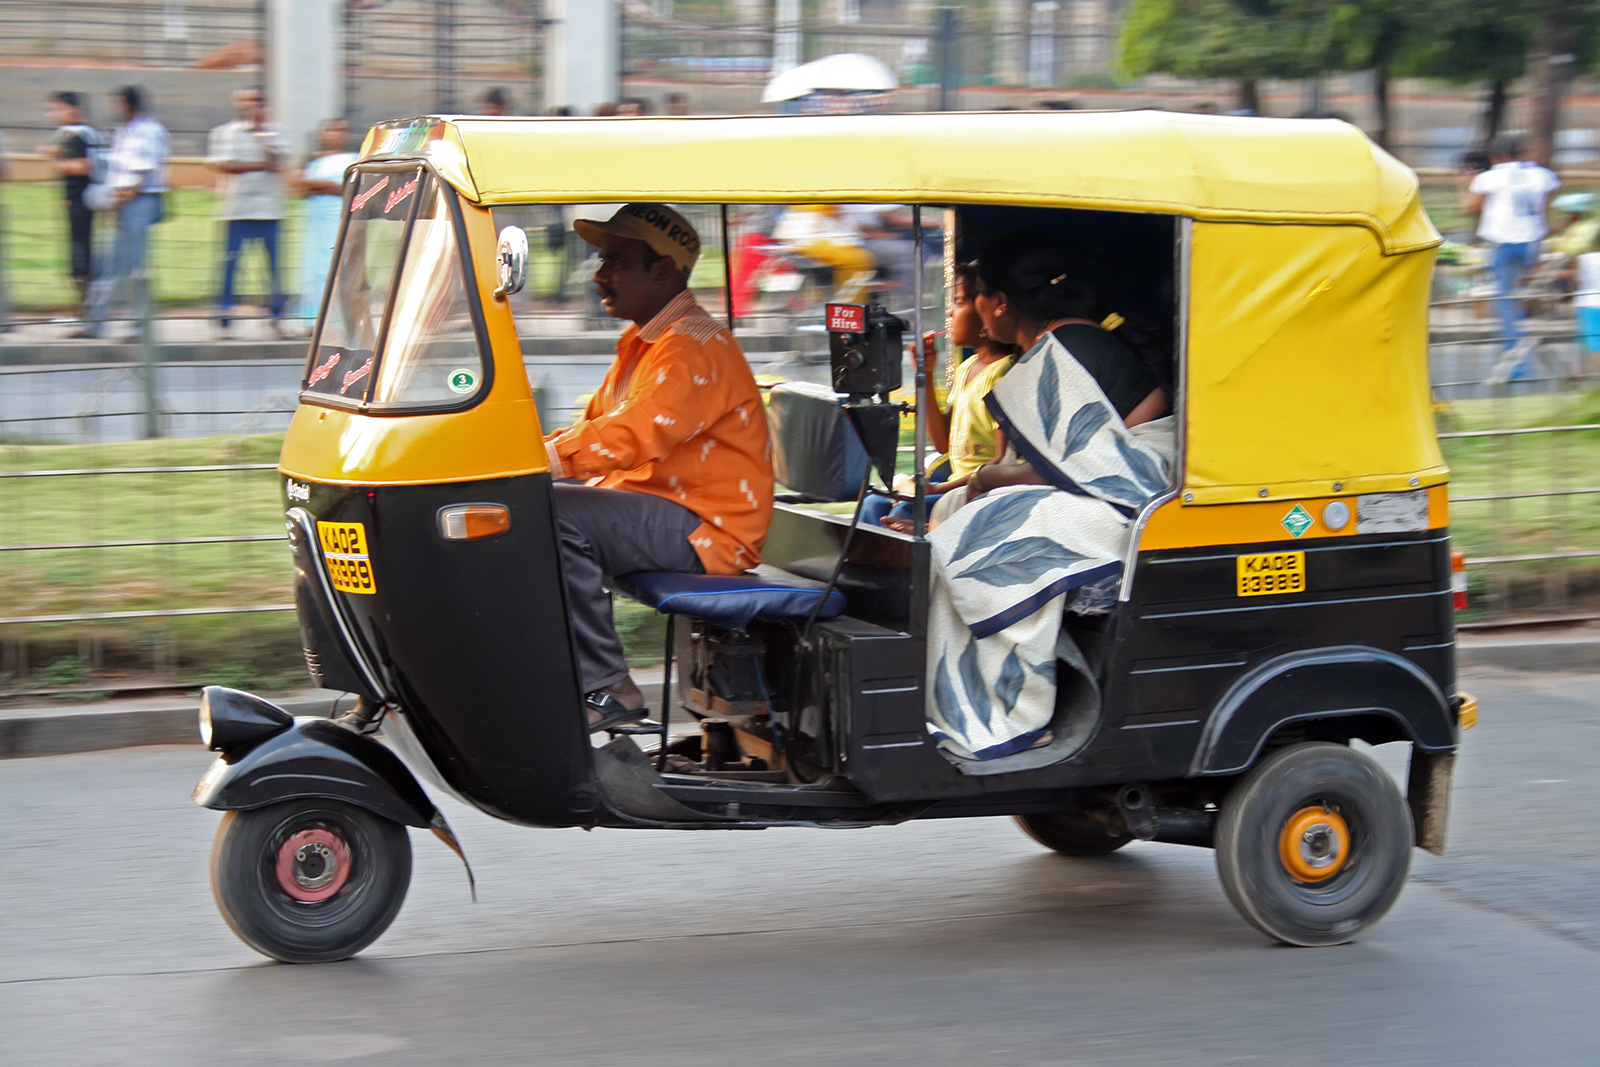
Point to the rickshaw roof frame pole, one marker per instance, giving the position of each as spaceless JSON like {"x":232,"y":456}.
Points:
{"x":727,"y":268}
{"x":919,"y":509}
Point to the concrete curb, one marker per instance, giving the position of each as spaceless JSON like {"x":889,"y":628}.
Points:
{"x":54,"y":731}
{"x":1554,"y":652}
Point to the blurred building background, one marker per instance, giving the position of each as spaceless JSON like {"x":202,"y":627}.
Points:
{"x":405,"y":57}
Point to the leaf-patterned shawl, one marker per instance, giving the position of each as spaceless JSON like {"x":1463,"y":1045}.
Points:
{"x":1004,"y":563}
{"x":1029,"y":403}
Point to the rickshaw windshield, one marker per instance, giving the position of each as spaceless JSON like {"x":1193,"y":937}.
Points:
{"x":398,"y":331}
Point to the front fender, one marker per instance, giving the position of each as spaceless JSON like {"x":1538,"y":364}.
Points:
{"x":317,"y":758}
{"x":1323,"y":683}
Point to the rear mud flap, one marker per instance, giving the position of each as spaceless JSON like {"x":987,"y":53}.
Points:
{"x":1428,"y":794}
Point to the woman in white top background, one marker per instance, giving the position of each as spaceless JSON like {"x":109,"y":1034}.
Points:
{"x":322,"y":185}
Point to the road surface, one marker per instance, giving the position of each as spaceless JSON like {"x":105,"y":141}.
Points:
{"x":933,"y":943}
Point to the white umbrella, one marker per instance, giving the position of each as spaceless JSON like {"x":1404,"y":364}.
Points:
{"x":844,"y":72}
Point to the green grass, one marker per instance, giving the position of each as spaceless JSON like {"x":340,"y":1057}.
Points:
{"x":1524,"y":463}
{"x":252,"y":650}
{"x":184,"y":257}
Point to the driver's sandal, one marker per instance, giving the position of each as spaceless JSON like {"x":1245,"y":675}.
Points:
{"x":611,"y":711}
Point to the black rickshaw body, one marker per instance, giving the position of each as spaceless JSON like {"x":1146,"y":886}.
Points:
{"x":466,"y":646}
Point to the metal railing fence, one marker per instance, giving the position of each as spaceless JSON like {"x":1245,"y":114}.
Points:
{"x":133,"y":33}
{"x":129,"y":561}
{"x":1519,"y":422}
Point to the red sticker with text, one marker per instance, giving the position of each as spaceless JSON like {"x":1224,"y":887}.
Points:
{"x":847,"y":318}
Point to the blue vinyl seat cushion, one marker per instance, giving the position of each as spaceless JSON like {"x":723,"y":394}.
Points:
{"x":729,"y":600}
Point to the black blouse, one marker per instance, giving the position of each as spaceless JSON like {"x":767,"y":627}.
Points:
{"x":1121,"y":374}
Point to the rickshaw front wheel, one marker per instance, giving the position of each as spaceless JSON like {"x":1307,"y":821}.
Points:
{"x":1314,"y":844}
{"x":309,"y":881}
{"x":1072,"y":833}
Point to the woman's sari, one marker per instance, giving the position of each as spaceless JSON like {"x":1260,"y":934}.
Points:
{"x":1005,"y":563}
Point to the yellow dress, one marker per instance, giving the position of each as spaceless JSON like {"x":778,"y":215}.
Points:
{"x":972,"y":428}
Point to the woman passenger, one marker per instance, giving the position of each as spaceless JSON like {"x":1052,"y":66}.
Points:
{"x":1035,"y":291}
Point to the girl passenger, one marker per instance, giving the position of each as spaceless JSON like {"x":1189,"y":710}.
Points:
{"x":964,"y":431}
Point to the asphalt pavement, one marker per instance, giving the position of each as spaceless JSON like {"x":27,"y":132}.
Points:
{"x":930,"y":943}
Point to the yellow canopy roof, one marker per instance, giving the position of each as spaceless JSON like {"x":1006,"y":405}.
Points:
{"x":1205,"y":166}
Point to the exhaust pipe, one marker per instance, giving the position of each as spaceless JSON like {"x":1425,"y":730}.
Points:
{"x":1176,"y":826}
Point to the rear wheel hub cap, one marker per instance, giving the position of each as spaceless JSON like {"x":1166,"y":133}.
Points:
{"x":1314,"y":844}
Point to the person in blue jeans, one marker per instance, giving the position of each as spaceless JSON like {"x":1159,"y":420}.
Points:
{"x":964,"y":430}
{"x":249,"y":154}
{"x":1509,"y":199}
{"x":135,"y":187}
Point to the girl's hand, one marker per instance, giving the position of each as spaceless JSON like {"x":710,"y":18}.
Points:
{"x":930,"y":352}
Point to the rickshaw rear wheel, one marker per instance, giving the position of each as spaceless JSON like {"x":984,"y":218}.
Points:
{"x":1314,"y":844}
{"x":1072,"y":833}
{"x":309,"y":881}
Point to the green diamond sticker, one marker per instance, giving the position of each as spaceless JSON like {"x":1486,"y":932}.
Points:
{"x":1298,"y":521}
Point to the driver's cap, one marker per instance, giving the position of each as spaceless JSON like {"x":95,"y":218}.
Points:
{"x":663,"y":229}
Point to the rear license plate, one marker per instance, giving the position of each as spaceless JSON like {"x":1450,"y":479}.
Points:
{"x":1272,"y":572}
{"x":344,"y":546}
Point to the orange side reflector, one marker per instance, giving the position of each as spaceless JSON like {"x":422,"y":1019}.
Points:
{"x":1458,"y":579}
{"x":469,"y":522}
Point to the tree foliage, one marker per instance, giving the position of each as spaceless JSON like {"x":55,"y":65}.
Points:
{"x":1549,"y":41}
{"x":1238,"y":39}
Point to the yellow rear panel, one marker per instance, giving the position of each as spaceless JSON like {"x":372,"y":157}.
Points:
{"x":1307,"y":367}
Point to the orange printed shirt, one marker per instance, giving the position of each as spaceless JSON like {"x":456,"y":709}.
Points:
{"x":679,"y":416}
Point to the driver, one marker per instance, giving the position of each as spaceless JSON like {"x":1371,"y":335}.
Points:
{"x":669,"y":465}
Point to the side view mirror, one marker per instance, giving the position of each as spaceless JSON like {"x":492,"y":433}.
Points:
{"x":511,"y":260}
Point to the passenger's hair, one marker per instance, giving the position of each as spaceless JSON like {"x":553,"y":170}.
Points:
{"x":967,"y":275}
{"x":133,"y":96}
{"x":67,"y":97}
{"x":1505,"y":146}
{"x":1043,"y":283}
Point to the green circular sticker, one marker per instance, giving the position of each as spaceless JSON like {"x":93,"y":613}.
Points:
{"x":463,"y":380}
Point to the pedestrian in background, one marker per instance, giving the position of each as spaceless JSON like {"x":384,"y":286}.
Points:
{"x":322,"y":185}
{"x":73,"y":151}
{"x":5,"y":306}
{"x":249,"y":153}
{"x":496,"y":102}
{"x":136,"y":183}
{"x":1509,"y":199}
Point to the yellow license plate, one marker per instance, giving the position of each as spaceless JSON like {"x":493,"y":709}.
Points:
{"x":1272,"y":572}
{"x":344,"y":546}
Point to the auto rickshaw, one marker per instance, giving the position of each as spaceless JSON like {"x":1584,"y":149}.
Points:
{"x":1288,"y":596}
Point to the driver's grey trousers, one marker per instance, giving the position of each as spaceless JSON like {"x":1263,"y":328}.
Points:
{"x":614,"y":531}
